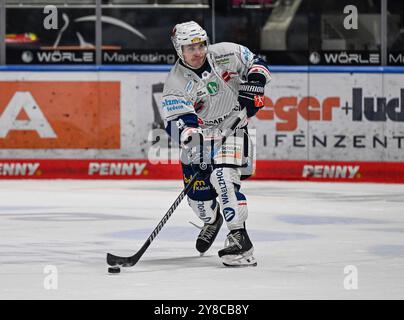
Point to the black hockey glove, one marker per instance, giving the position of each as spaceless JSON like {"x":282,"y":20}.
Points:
{"x":251,"y":97}
{"x":197,"y":153}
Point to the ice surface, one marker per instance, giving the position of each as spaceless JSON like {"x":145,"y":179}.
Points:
{"x":305,"y":236}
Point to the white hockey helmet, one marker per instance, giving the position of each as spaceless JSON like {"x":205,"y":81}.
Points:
{"x":187,"y":33}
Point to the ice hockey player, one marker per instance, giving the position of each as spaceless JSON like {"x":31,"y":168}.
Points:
{"x":205,"y":91}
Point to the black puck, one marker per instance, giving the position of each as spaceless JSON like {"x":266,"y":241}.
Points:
{"x":114,"y":270}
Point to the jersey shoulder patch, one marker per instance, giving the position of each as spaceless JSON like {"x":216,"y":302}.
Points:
{"x":246,"y":55}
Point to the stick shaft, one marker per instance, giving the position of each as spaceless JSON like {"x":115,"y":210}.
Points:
{"x":132,"y":260}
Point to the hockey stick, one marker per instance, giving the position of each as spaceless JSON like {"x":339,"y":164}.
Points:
{"x":130,"y":261}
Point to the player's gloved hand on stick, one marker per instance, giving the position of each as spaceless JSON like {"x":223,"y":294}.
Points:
{"x":201,"y":161}
{"x":198,"y":155}
{"x":251,"y":97}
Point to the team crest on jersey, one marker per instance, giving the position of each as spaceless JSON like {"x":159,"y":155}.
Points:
{"x":213,"y":88}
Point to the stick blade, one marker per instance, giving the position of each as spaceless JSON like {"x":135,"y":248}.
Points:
{"x":114,"y":261}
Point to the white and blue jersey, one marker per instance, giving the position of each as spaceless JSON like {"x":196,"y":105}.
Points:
{"x":207,"y":97}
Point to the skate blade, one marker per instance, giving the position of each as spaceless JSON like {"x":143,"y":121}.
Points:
{"x":245,"y":260}
{"x":240,"y":265}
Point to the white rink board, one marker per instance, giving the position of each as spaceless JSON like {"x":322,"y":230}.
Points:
{"x":337,"y":138}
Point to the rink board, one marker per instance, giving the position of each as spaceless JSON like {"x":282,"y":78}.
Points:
{"x":67,"y":118}
{"x":337,"y":171}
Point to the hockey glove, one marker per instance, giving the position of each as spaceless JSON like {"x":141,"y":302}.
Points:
{"x":251,"y":97}
{"x":200,"y":160}
{"x":190,"y":137}
{"x":198,"y":155}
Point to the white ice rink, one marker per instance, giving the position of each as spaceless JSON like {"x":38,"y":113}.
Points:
{"x":305,"y":236}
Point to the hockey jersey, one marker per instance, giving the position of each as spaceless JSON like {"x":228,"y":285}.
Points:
{"x":210,"y":101}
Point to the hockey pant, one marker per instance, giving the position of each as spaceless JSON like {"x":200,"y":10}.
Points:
{"x":221,"y":189}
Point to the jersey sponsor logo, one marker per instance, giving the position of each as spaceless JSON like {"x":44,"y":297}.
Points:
{"x":333,"y":171}
{"x":117,"y":168}
{"x":223,"y":61}
{"x":229,"y":214}
{"x":202,"y":211}
{"x":231,"y":151}
{"x":202,"y":93}
{"x":223,"y":58}
{"x":212,"y":122}
{"x":222,"y":186}
{"x":224,"y":55}
{"x":174,"y":108}
{"x":19,"y":169}
{"x":213,"y":88}
{"x":217,"y":120}
{"x":60,"y":115}
{"x":175,"y":103}
{"x":199,"y":185}
{"x":189,"y":86}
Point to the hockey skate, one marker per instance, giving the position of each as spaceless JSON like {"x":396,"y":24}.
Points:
{"x":208,"y":234}
{"x":238,"y":251}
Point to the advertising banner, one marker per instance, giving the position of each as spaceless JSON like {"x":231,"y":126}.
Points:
{"x":332,"y":117}
{"x":314,"y":126}
{"x":85,"y":169}
{"x":59,"y":115}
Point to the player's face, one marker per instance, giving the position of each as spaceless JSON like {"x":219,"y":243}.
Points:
{"x":195,"y":54}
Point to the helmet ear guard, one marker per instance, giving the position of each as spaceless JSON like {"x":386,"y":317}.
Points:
{"x":187,"y":33}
